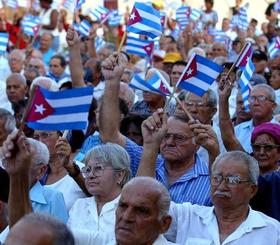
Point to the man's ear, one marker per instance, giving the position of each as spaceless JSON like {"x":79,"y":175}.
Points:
{"x":41,"y":171}
{"x":165,"y":223}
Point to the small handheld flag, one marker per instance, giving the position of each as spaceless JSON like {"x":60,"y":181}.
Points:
{"x":60,"y":110}
{"x":139,"y":46}
{"x":274,"y":48}
{"x":4,"y":39}
{"x":199,"y":74}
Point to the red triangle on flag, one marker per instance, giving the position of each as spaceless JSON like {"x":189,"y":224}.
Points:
{"x":134,"y":17}
{"x":149,"y":48}
{"x":163,"y":88}
{"x":39,"y":108}
{"x":162,"y":20}
{"x":191,"y":70}
{"x":35,"y":30}
{"x":188,"y":12}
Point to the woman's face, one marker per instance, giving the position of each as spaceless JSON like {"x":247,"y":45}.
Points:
{"x":100,"y":178}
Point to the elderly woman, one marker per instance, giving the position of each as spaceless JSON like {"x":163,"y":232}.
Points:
{"x":107,"y":169}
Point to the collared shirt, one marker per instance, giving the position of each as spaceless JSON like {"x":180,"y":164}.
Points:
{"x":197,"y":225}
{"x":243,"y":133}
{"x":193,"y":186}
{"x":46,"y":201}
{"x":90,"y":228}
{"x":161,"y":240}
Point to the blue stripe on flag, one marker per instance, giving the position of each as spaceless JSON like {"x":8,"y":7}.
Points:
{"x":210,"y":64}
{"x":192,"y":88}
{"x":69,"y":93}
{"x":57,"y":126}
{"x":204,"y":77}
{"x":71,"y":109}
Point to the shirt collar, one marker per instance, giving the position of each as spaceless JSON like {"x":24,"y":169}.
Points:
{"x":36,"y":193}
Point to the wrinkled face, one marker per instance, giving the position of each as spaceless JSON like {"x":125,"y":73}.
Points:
{"x":199,"y":108}
{"x":15,"y":63}
{"x":37,"y":64}
{"x":104,"y":53}
{"x":100,"y":178}
{"x":275,"y":79}
{"x":266,"y":152}
{"x":49,"y":138}
{"x":45,"y":42}
{"x":15,"y":89}
{"x":176,"y":73}
{"x":218,"y":50}
{"x":37,"y":234}
{"x":261,"y":109}
{"x":137,"y":216}
{"x":177,"y":145}
{"x":240,"y":109}
{"x":225,"y":195}
{"x":56,"y":68}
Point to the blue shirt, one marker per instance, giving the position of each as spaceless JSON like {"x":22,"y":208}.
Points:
{"x":49,"y":201}
{"x":193,"y":186}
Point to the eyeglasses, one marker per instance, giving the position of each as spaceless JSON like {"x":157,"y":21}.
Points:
{"x":43,"y":135}
{"x":97,"y":170}
{"x":178,"y":138}
{"x":265,"y":147}
{"x":260,"y":99}
{"x":217,"y":179}
{"x":196,"y":104}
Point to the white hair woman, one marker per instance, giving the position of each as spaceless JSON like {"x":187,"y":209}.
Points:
{"x":107,"y":169}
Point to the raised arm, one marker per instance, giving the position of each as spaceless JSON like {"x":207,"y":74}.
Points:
{"x":109,"y":115}
{"x":154,"y":129}
{"x":75,"y":62}
{"x":230,"y":141}
{"x":91,"y":43}
{"x":17,"y":165}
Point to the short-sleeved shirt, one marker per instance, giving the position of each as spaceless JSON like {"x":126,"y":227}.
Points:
{"x":193,"y":186}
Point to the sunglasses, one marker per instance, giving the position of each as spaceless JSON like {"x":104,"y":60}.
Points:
{"x":266,"y":147}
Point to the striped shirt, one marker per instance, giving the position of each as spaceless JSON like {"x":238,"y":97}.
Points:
{"x":193,"y":186}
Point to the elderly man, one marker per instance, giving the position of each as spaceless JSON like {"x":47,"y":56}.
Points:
{"x":179,"y":168}
{"x":42,"y":199}
{"x":16,"y":61}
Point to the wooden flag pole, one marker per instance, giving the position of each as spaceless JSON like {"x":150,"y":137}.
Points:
{"x":184,"y":108}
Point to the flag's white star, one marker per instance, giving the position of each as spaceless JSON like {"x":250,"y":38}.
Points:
{"x":189,"y":71}
{"x":148,"y":48}
{"x":132,"y":16}
{"x":247,"y":58}
{"x":40,"y":109}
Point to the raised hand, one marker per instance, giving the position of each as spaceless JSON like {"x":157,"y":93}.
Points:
{"x":72,"y":38}
{"x":18,"y":162}
{"x":204,"y":136}
{"x":113,"y":66}
{"x":225,"y":86}
{"x":154,"y":128}
{"x":63,"y":151}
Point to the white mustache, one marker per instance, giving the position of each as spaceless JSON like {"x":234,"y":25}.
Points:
{"x":222,"y":193}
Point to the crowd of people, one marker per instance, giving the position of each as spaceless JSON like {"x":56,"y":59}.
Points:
{"x":143,"y":171}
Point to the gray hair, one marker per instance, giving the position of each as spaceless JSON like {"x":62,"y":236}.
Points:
{"x":41,"y":152}
{"x":269,"y":89}
{"x":10,"y":122}
{"x":113,"y":155}
{"x":18,"y":53}
{"x":62,"y":235}
{"x":155,"y":186}
{"x":211,"y":98}
{"x":19,"y":76}
{"x":244,"y":158}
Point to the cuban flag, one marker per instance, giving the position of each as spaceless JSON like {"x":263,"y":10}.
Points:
{"x":79,"y":4}
{"x":12,"y":4}
{"x":195,"y":14}
{"x":244,"y":83}
{"x":144,"y":20}
{"x":31,"y":25}
{"x":156,"y":84}
{"x":60,"y":110}
{"x":69,"y":4}
{"x":98,"y":13}
{"x":163,"y":19}
{"x":99,"y":43}
{"x":4,"y":39}
{"x":83,"y":28}
{"x":115,"y":18}
{"x":183,"y":16}
{"x":274,"y":48}
{"x":244,"y":56}
{"x":199,"y":74}
{"x":139,"y":46}
{"x":243,"y":22}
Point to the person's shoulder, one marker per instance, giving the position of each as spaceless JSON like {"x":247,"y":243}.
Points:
{"x":82,"y":202}
{"x":267,"y":220}
{"x":243,"y":125}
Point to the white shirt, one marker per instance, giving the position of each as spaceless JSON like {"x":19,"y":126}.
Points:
{"x":161,"y":240}
{"x":90,"y":228}
{"x":197,"y":225}
{"x":70,"y":190}
{"x":99,"y":90}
